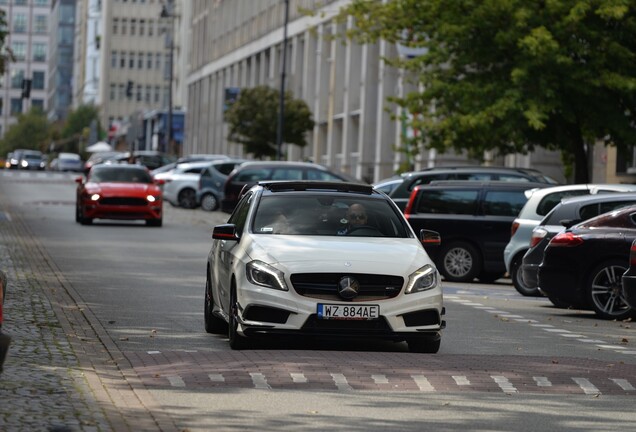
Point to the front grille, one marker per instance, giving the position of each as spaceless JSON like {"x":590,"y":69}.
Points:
{"x":123,"y":201}
{"x":325,"y":285}
{"x":347,"y":327}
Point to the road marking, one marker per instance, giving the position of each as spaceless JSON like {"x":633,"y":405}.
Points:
{"x":623,"y":383}
{"x":627,"y":352}
{"x":556,"y":330}
{"x":298,"y":377}
{"x":586,"y":386}
{"x":461,"y":380}
{"x":423,"y":383}
{"x":591,"y":340}
{"x":154,"y":352}
{"x":614,"y":347}
{"x":572,"y":335}
{"x":341,"y":382}
{"x":216,"y":377}
{"x":497,"y":311}
{"x":514,"y":316}
{"x":542,"y":381}
{"x":504,"y":384}
{"x":175,"y":380}
{"x":259,"y":381}
{"x":380,"y":379}
{"x":542,"y":325}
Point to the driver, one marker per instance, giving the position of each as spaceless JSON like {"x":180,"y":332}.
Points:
{"x":356,"y":216}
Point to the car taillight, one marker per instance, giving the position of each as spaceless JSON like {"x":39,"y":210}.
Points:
{"x":537,"y":235}
{"x":514,"y":228}
{"x":632,"y":254}
{"x":566,"y":239}
{"x":411,"y":204}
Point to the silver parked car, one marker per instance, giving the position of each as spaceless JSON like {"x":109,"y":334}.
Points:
{"x":181,"y":183}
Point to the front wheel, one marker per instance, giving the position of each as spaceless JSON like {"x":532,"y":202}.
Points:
{"x":605,"y":291}
{"x":516,"y":274}
{"x":209,"y":202}
{"x":424,"y":345}
{"x":187,"y":198}
{"x":237,"y":342}
{"x":460,"y":262}
{"x":213,"y":324}
{"x":154,"y":222}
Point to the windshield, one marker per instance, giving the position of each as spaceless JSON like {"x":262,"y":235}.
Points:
{"x":327,"y":215}
{"x":116,"y":174}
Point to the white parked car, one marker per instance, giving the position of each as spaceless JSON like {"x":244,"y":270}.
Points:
{"x":538,"y":205}
{"x":181,"y":183}
{"x":328,"y":259}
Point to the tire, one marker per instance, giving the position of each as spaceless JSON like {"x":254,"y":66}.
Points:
{"x":154,"y":222}
{"x":213,"y":324}
{"x":516,"y":274}
{"x":424,"y":345}
{"x":83,"y":220}
{"x":604,"y":291}
{"x":559,"y":304}
{"x":77,"y":214}
{"x":187,"y":198}
{"x":237,"y":342}
{"x":459,"y":262}
{"x":209,"y":202}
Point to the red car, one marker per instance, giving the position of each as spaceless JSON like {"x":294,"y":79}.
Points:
{"x":119,"y":191}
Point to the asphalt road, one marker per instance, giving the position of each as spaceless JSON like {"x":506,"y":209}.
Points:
{"x":506,"y":362}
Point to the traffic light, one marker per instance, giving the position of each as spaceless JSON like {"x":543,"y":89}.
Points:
{"x":26,"y":88}
{"x":129,"y":89}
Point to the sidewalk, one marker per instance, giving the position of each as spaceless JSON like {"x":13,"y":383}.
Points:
{"x":63,"y":373}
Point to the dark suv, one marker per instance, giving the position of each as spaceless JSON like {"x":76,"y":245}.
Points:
{"x":399,"y":188}
{"x":250,"y":173}
{"x":473,"y":219}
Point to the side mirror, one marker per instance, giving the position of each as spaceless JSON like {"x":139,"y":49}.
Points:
{"x":225,"y":232}
{"x":79,"y":180}
{"x":430,"y":238}
{"x":159,"y":182}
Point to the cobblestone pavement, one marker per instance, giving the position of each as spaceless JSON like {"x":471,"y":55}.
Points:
{"x":62,"y":372}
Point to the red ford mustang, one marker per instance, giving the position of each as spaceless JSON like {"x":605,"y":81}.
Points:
{"x":124,"y":192}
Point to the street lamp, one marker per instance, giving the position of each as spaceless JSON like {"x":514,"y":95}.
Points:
{"x":165,"y":13}
{"x":281,"y":110}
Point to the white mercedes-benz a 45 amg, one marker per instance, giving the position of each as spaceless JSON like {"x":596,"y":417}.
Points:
{"x":325,"y":259}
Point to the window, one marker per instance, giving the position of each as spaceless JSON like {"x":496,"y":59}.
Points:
{"x":133,"y":27}
{"x":19,"y":23}
{"x":41,"y":24}
{"x":115,"y":26}
{"x":448,"y":201}
{"x":38,"y":80}
{"x":158,"y":61}
{"x":551,"y":200}
{"x":148,"y":95}
{"x":16,"y":78}
{"x":131,"y":60}
{"x":20,"y":2}
{"x":321,"y":175}
{"x":1,"y":105}
{"x":142,"y":25}
{"x":39,"y":52}
{"x":113,"y":59}
{"x":124,"y":25}
{"x":19,"y":50}
{"x":149,"y":61}
{"x":16,"y":106}
{"x":122,"y":92}
{"x":140,"y":60}
{"x":41,"y":2}
{"x":151,"y":27}
{"x":37,"y":103}
{"x":157,"y":94}
{"x":113,"y":92}
{"x":139,"y":93}
{"x":122,"y":60}
{"x":504,"y":203}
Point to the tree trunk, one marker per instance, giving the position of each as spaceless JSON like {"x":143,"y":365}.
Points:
{"x":581,"y":166}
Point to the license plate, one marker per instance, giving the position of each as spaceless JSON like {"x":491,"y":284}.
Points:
{"x":348,"y":312}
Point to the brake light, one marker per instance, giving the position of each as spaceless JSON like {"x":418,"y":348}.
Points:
{"x":411,"y":204}
{"x":566,"y":239}
{"x":514,"y":228}
{"x":537,"y":235}
{"x":632,"y":254}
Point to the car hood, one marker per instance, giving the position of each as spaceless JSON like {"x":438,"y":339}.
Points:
{"x":128,"y":189}
{"x":400,"y":256}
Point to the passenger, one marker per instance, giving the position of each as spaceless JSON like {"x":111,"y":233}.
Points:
{"x":356,"y":216}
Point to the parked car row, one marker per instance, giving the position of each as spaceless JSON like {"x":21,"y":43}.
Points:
{"x":26,"y":160}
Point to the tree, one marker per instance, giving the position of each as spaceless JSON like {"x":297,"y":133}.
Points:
{"x":5,"y":53}
{"x":79,"y":119}
{"x":253,"y":120}
{"x":513,"y":75}
{"x":30,"y":132}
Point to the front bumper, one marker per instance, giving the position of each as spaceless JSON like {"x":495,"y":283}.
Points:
{"x":264,"y":311}
{"x":99,"y":211}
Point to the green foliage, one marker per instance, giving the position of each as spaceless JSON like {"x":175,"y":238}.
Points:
{"x":512,"y":75}
{"x":5,"y":54}
{"x":78,"y":120}
{"x":253,"y":121}
{"x":30,"y":132}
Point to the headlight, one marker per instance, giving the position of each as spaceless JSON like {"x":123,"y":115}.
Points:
{"x":95,"y":197}
{"x":422,"y":280}
{"x":152,"y":198}
{"x":264,"y":275}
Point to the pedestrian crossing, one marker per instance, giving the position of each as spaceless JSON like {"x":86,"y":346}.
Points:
{"x":341,"y":382}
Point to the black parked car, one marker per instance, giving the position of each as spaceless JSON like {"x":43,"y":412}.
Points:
{"x":250,"y":173}
{"x":568,"y":212}
{"x":212,"y":181}
{"x":399,"y":187}
{"x":582,"y":266}
{"x":473,"y":219}
{"x":629,"y":278}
